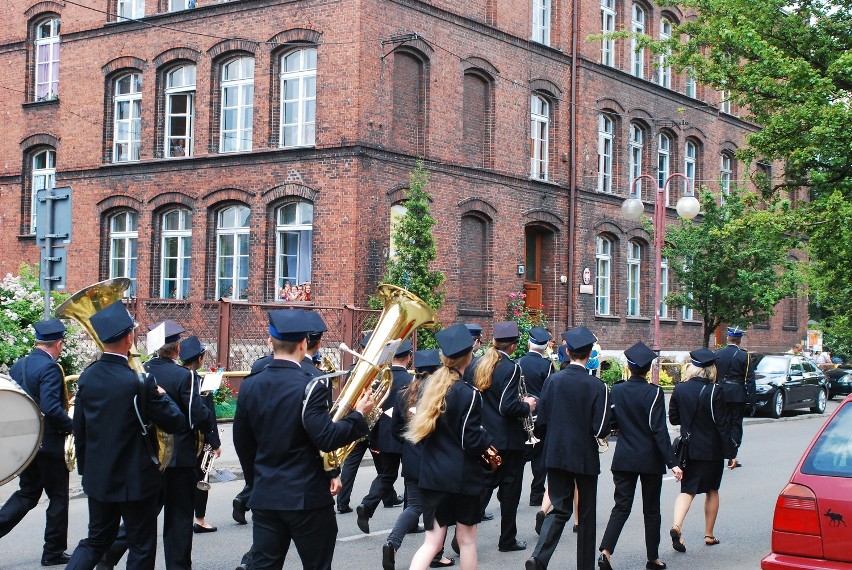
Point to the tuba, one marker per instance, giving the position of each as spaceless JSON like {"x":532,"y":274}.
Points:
{"x":403,"y":313}
{"x":85,"y":303}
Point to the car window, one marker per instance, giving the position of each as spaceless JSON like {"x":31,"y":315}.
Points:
{"x":796,"y":367}
{"x":832,"y":453}
{"x":809,"y":366}
{"x":772,"y":365}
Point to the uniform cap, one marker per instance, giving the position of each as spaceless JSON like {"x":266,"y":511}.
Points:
{"x":52,"y":329}
{"x":455,"y":341}
{"x":191,"y":348}
{"x":506,"y":331}
{"x":703,"y":357}
{"x":290,"y":324}
{"x":366,"y":339}
{"x":579,"y":338}
{"x":112,"y":323}
{"x":475,"y":329}
{"x":403,"y":349}
{"x":172,"y":330}
{"x":318,"y":323}
{"x":735,"y":332}
{"x":426,"y":360}
{"x":639,"y":355}
{"x":539,"y":335}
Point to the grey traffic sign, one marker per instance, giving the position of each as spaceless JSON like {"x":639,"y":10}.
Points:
{"x":59,"y":218}
{"x":54,"y":267}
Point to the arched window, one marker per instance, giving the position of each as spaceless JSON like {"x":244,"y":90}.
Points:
{"x":127,"y":118}
{"x":605,"y":144}
{"x":603,"y":259}
{"x":665,"y":70}
{"x":637,"y":52}
{"x":397,"y":211}
{"x":726,"y":173}
{"x":541,"y":21}
{"x":298,"y":97}
{"x":474,"y":264}
{"x":634,"y":275}
{"x":43,"y":178}
{"x":637,"y":141}
{"x":180,"y":111}
{"x":232,"y":252}
{"x":690,"y":160}
{"x":123,"y":245}
{"x":477,"y":120}
{"x":294,"y":232}
{"x":47,"y":60}
{"x":663,"y":161}
{"x":539,"y":137}
{"x":176,"y":254}
{"x":132,"y":9}
{"x":237,"y":105}
{"x":410,"y":80}
{"x":664,"y":287}
{"x":608,"y":27}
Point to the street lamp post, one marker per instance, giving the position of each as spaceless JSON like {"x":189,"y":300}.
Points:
{"x":633,"y":209}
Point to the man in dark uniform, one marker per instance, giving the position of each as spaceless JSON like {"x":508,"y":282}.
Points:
{"x":384,"y":447}
{"x":536,"y":367}
{"x":574,"y":410}
{"x":475,"y":331}
{"x":281,"y":425}
{"x":502,"y":412}
{"x":643,"y":452}
{"x":735,"y":374}
{"x":41,"y":377}
{"x":118,"y":464}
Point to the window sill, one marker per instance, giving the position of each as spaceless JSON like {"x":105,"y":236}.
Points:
{"x":762,"y":326}
{"x":638,"y":319}
{"x":37,"y":104}
{"x":610,"y":318}
{"x":692,"y":323}
{"x":296,"y":146}
{"x":475,"y":313}
{"x":789,"y":328}
{"x":668,"y":321}
{"x":27,"y":237}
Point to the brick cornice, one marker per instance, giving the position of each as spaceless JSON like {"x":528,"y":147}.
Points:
{"x":44,"y":6}
{"x":175,"y":54}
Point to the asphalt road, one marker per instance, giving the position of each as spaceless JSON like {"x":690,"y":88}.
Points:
{"x":770,"y":451}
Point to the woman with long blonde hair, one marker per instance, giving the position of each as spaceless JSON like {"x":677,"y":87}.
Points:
{"x":447,"y":421}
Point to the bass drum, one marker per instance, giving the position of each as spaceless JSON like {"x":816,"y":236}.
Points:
{"x":21,"y":429}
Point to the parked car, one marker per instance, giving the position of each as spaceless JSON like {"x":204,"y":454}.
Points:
{"x":813,"y":514}
{"x":787,"y":381}
{"x":839,"y":382}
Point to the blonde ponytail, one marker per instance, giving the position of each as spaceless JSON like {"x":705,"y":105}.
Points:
{"x":432,"y":402}
{"x":483,"y":374}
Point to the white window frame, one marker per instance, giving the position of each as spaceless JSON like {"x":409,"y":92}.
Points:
{"x":541,"y":14}
{"x":177,"y":5}
{"x":174,"y":89}
{"x":634,"y":279}
{"x":664,"y":287}
{"x":130,"y":9}
{"x":726,"y":173}
{"x":687,"y":314}
{"x":302,"y":230}
{"x":608,"y":27}
{"x":182,"y":237}
{"x":47,"y":58}
{"x":637,"y":53}
{"x":690,"y":165}
{"x":305,"y":101}
{"x":131,"y":125}
{"x":637,"y":147}
{"x":125,"y":238}
{"x":690,"y":88}
{"x":539,"y":137}
{"x":242,"y":84}
{"x":725,"y":103}
{"x":603,"y":276}
{"x":237,"y":234}
{"x":664,"y":149}
{"x":43,"y":177}
{"x":665,"y":70}
{"x":606,"y":137}
{"x":397,"y":211}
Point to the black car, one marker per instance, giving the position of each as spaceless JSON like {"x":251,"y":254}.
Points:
{"x":839,"y":381}
{"x":787,"y":381}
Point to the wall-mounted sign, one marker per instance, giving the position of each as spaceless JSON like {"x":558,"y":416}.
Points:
{"x":587,"y":276}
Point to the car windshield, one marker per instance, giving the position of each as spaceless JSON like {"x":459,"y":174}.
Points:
{"x":832,"y":453}
{"x":772,"y":365}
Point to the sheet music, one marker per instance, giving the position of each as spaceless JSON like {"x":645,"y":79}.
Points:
{"x":211,"y":382}
{"x":388,"y":351}
{"x":156,"y":338}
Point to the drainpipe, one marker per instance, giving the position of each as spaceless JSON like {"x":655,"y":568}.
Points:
{"x":572,"y":184}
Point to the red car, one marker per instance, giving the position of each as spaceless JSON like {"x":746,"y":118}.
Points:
{"x":812,"y":527}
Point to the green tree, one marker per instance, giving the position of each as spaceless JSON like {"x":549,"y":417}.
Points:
{"x":728,"y":269}
{"x":414,"y":247}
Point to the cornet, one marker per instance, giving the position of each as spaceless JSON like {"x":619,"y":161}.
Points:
{"x":206,"y":466}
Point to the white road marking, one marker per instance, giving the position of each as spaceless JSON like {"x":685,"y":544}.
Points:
{"x":360,"y":536}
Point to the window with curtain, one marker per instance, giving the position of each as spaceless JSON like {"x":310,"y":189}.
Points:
{"x":123,"y":245}
{"x":664,"y":69}
{"x":47,"y":60}
{"x":397,"y":211}
{"x":294,"y":232}
{"x":43,"y":178}
{"x":605,"y":143}
{"x":539,"y":135}
{"x":603,"y":262}
{"x":690,"y":87}
{"x":608,"y":27}
{"x":180,"y":111}
{"x":541,"y":21}
{"x":637,"y":141}
{"x":726,"y":172}
{"x":634,"y":274}
{"x":690,"y":159}
{"x":127,"y":118}
{"x":130,"y":9}
{"x":637,"y":52}
{"x":663,"y":162}
{"x":232,"y":252}
{"x":176,"y":254}
{"x":298,"y":97}
{"x":237,"y":105}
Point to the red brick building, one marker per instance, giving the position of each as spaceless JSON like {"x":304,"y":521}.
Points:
{"x":230,"y":148}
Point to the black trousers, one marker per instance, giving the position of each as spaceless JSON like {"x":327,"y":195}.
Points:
{"x":313,"y":531}
{"x":140,"y":523}
{"x":535,"y":455}
{"x":243,"y":496}
{"x":348,"y":472}
{"x":736,"y":410}
{"x":508,"y":480}
{"x":387,"y":472}
{"x":561,"y":489}
{"x":46,"y":473}
{"x":625,"y":488}
{"x":407,"y":520}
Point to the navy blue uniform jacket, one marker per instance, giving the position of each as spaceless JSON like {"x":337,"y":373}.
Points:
{"x":451,"y":453}
{"x":280,"y":426}
{"x":45,"y":384}
{"x":536,"y":368}
{"x":639,"y":412}
{"x":412,"y":453}
{"x":710,"y":437}
{"x":735,"y":373}
{"x":573,"y":411}
{"x":502,"y":408}
{"x":381,"y":436}
{"x":111,"y":452}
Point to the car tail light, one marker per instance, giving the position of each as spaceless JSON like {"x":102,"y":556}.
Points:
{"x":796,"y":511}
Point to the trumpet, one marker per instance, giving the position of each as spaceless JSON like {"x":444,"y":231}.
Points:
{"x":490,"y":459}
{"x":206,"y":466}
{"x":603,"y":444}
{"x":529,"y":419}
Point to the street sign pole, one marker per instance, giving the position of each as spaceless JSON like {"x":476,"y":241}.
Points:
{"x":53,"y":224}
{"x":48,"y":253}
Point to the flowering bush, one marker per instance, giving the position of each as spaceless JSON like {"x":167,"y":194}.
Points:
{"x":21,"y":304}
{"x":527,"y":318}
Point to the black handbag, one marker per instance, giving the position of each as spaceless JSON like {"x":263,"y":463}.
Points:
{"x":681,"y":443}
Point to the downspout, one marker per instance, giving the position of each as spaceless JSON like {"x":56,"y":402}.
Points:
{"x":572,"y":184}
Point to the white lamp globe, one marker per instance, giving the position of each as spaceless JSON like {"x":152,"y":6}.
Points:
{"x":688,"y":207}
{"x":632,"y":208}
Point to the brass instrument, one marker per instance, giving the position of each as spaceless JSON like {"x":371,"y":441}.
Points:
{"x":491,"y":459}
{"x":206,"y":466}
{"x":85,"y":303}
{"x":403,"y":313}
{"x":528,"y":420}
{"x":603,"y":444}
{"x":70,"y":447}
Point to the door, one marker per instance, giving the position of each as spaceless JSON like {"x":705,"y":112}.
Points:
{"x":796,"y":391}
{"x":532,"y":267}
{"x":811,"y":381}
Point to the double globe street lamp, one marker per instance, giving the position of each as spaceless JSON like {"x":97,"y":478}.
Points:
{"x":633,"y":209}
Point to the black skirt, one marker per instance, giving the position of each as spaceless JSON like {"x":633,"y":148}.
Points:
{"x":449,"y":508}
{"x":701,"y":476}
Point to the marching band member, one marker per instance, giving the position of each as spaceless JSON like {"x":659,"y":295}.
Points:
{"x":574,"y":411}
{"x":281,"y":425}
{"x":735,"y":376}
{"x":448,"y":422}
{"x":642,"y":453}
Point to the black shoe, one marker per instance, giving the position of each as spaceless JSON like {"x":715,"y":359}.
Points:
{"x":603,"y":562}
{"x":486,"y":516}
{"x":438,"y":563}
{"x":455,"y":544}
{"x":55,"y":559}
{"x":102,"y":566}
{"x":394,"y":503}
{"x":576,"y":528}
{"x":535,"y":501}
{"x":534,"y":564}
{"x":388,"y":556}
{"x":539,"y":520}
{"x":651,"y":565}
{"x":516,"y":546}
{"x":344,"y":509}
{"x":239,"y":512}
{"x":198,"y":529}
{"x":363,"y":519}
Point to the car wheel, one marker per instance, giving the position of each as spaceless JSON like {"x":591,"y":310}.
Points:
{"x":819,"y":407}
{"x":777,"y":405}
